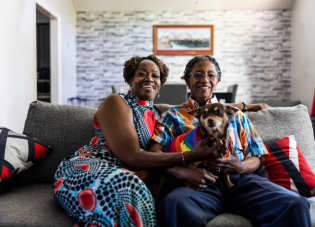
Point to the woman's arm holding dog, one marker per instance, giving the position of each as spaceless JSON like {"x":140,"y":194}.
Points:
{"x":192,"y":177}
{"x":115,"y":118}
{"x":232,"y":164}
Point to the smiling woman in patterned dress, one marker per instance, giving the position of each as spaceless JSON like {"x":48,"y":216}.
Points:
{"x":103,"y":183}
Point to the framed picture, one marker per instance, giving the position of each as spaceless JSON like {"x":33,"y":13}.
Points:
{"x":183,"y":39}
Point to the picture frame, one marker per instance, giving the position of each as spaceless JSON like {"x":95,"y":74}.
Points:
{"x":183,"y":39}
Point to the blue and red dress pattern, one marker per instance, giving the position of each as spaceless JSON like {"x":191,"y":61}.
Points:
{"x":97,"y":189}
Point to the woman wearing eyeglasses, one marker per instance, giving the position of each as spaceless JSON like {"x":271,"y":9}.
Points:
{"x":207,"y":196}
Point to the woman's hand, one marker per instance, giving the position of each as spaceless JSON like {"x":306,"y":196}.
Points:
{"x":203,"y":152}
{"x":257,"y":107}
{"x":197,"y":178}
{"x":231,"y":164}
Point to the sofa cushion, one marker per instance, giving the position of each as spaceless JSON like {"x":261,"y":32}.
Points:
{"x":288,"y":168}
{"x":18,"y":152}
{"x":32,"y":205}
{"x":229,"y":220}
{"x":65,"y":128}
{"x":8,"y":184}
{"x":275,"y":123}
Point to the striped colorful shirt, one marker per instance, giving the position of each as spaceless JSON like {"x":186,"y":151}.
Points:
{"x":176,"y":121}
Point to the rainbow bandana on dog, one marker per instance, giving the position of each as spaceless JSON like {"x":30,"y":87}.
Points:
{"x":186,"y":142}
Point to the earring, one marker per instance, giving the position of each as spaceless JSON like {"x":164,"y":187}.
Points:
{"x":159,"y":94}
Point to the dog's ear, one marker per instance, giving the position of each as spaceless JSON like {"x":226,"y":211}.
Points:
{"x":230,"y":110}
{"x":195,"y":113}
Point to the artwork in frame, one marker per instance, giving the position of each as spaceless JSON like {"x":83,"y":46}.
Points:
{"x":183,"y":39}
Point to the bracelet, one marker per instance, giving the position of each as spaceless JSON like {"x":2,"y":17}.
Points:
{"x":183,"y":158}
{"x":244,"y":106}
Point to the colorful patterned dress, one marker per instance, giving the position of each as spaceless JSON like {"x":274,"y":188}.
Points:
{"x":97,"y":189}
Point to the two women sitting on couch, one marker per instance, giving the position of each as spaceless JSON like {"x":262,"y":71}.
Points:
{"x":96,"y":186}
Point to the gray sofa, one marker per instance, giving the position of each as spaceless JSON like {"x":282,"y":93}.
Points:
{"x":66,"y":128}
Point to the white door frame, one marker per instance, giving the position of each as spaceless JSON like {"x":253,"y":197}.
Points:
{"x":55,"y":50}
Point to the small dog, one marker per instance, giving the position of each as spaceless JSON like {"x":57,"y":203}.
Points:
{"x":214,"y":120}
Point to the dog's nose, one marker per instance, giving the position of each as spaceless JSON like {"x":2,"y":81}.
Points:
{"x":211,"y":122}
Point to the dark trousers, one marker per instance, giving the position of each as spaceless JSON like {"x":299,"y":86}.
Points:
{"x":256,"y":198}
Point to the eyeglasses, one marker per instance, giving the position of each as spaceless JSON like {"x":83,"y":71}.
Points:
{"x":198,"y":76}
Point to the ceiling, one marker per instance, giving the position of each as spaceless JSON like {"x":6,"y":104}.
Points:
{"x":179,"y":5}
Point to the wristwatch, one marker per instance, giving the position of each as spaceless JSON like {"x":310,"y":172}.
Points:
{"x":244,"y":107}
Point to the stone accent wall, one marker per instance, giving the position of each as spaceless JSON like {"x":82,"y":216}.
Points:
{"x":253,"y":49}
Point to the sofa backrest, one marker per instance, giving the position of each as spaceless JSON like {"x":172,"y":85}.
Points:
{"x":275,"y":123}
{"x":64,"y":128}
{"x":67,"y":128}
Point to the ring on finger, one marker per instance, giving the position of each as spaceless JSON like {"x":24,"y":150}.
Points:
{"x":218,"y":170}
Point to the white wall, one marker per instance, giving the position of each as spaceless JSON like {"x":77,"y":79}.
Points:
{"x":18,"y":59}
{"x":303,"y":52}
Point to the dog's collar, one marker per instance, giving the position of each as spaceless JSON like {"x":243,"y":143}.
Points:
{"x":131,"y":96}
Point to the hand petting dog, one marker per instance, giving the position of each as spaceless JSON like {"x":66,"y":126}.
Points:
{"x":231,"y":164}
{"x":202,"y":149}
{"x":199,"y":178}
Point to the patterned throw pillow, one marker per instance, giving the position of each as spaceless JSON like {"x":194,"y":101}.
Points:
{"x":18,"y":152}
{"x":288,"y":168}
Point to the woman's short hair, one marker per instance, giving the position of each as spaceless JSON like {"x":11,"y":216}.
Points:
{"x":193,"y":61}
{"x":132,"y":64}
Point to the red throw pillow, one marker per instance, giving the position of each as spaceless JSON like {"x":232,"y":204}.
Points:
{"x":288,"y":168}
{"x":18,"y":152}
